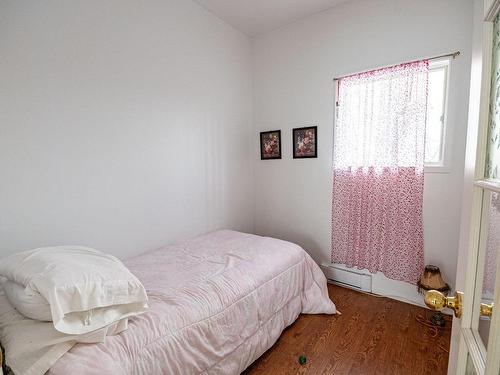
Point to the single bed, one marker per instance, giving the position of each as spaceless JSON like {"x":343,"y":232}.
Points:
{"x":217,"y":302}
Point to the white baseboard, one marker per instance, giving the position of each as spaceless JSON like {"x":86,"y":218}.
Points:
{"x":378,"y":284}
{"x":350,"y":278}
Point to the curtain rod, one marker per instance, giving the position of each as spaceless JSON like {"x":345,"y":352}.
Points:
{"x":454,"y":55}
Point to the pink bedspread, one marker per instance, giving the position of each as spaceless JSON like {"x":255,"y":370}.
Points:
{"x":217,"y":302}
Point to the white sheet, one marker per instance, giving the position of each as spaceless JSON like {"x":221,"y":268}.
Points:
{"x":32,"y":346}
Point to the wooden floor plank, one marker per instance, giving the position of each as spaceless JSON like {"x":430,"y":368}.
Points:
{"x":374,"y":335}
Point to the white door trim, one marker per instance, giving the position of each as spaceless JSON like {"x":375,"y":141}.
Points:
{"x":469,"y":344}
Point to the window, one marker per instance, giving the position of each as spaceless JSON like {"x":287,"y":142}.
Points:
{"x":436,"y":114}
{"x":435,"y":159}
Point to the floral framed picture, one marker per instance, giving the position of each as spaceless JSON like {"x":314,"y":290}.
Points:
{"x":270,"y":145}
{"x":305,"y":142}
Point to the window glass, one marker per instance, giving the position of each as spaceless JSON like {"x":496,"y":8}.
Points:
{"x":436,"y":116}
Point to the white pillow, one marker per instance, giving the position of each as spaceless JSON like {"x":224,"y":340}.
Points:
{"x":29,"y":303}
{"x":85,"y":288}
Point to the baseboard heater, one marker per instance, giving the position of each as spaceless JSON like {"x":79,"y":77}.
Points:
{"x":350,"y":278}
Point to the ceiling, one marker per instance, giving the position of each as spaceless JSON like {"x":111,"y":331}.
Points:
{"x":254,"y":17}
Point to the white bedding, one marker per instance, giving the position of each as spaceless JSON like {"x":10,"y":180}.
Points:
{"x":32,"y":346}
{"x":217,"y":302}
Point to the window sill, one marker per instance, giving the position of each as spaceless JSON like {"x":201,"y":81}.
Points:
{"x":437,"y":169}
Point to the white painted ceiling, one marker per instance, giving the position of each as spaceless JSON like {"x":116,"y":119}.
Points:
{"x":254,"y":17}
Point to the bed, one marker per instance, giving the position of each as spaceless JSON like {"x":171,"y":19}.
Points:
{"x":217,"y":302}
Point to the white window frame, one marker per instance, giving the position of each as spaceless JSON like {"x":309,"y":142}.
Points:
{"x":444,"y":165}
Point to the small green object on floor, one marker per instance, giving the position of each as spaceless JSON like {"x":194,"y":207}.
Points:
{"x":302,"y":360}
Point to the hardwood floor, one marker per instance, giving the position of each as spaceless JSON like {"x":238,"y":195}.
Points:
{"x":374,"y":335}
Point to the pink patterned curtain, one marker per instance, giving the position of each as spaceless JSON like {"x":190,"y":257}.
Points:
{"x":378,"y":175}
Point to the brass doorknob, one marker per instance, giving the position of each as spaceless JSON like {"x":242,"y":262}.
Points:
{"x":437,"y":301}
{"x":486,"y":310}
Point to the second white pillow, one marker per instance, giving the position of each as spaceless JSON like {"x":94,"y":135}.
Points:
{"x":29,"y":303}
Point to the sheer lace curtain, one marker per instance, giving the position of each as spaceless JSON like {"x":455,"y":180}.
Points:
{"x":378,"y":174}
{"x":492,"y":247}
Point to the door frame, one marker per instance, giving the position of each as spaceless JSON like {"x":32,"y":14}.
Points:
{"x":469,"y":344}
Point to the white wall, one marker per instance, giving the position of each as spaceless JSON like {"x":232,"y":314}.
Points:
{"x":294,"y":69}
{"x":122,"y":126}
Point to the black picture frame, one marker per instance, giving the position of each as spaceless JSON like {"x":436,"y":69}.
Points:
{"x":299,"y":154}
{"x":265,"y":137}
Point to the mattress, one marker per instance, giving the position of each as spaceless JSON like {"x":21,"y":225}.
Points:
{"x":217,"y":303}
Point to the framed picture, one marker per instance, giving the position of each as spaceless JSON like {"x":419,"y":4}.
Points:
{"x":305,"y":142}
{"x":270,"y":145}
